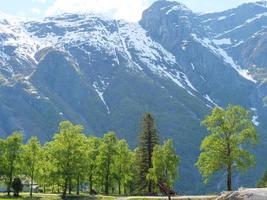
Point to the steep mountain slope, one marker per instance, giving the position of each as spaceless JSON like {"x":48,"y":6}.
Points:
{"x":242,"y":33}
{"x":106,"y":73}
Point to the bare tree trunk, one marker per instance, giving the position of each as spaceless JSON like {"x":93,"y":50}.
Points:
{"x":229,"y":178}
{"x":91,"y":184}
{"x":65,"y":189}
{"x":70,"y":186}
{"x":78,"y":185}
{"x":119,"y":184}
{"x":31,"y":185}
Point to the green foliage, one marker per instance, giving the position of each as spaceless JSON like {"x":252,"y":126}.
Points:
{"x":91,"y":151}
{"x":31,"y":159}
{"x":262,"y":183}
{"x":11,"y":157}
{"x":165,"y":163}
{"x":72,"y":159}
{"x":227,"y":147}
{"x":106,"y":159}
{"x":123,"y":166}
{"x":66,"y":151}
{"x":148,"y":139}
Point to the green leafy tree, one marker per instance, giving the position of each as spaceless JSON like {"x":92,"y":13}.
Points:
{"x":232,"y":133}
{"x":165,"y":162}
{"x":11,"y":157}
{"x":122,"y":168}
{"x":91,"y":152}
{"x":31,"y":158}
{"x":105,"y":159}
{"x":66,"y":152}
{"x":2,"y":150}
{"x":148,"y":139}
{"x":47,"y":173}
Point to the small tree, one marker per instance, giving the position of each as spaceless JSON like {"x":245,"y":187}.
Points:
{"x":91,"y":151}
{"x":122,"y":168}
{"x":105,"y":159}
{"x":31,"y":159}
{"x":66,"y":151}
{"x":11,"y":156}
{"x":165,"y":162}
{"x":17,"y":186}
{"x":226,"y":148}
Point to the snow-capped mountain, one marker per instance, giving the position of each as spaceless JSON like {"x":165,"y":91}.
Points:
{"x":106,"y":73}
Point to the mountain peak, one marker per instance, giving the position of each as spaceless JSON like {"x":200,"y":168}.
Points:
{"x":168,"y":6}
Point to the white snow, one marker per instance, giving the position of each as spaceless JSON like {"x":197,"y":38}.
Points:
{"x":210,"y":100}
{"x":100,"y":91}
{"x":255,"y":120}
{"x":127,"y":39}
{"x":177,"y":7}
{"x":184,"y":45}
{"x":255,"y":117}
{"x":223,"y":54}
{"x":221,"y":18}
{"x":223,"y":41}
{"x":248,"y":21}
{"x":193,"y":66}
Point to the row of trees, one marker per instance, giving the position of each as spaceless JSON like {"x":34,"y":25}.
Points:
{"x":73,"y":160}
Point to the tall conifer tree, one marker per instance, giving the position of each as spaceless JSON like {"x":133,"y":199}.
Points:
{"x":148,"y":139}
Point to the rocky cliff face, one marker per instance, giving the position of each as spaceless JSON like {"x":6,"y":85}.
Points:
{"x":106,"y":73}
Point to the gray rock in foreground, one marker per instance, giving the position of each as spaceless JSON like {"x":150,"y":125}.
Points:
{"x":245,"y":194}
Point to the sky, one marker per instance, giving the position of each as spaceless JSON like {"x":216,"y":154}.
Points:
{"x":130,"y":10}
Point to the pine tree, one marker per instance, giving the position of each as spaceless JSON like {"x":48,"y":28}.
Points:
{"x":148,"y":139}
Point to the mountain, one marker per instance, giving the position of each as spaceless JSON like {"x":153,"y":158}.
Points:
{"x":106,"y":73}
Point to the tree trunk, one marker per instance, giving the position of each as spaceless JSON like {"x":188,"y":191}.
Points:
{"x":229,"y":167}
{"x":91,"y":184}
{"x":10,"y":181}
{"x":107,"y":181}
{"x":31,"y":186}
{"x":78,"y":186}
{"x":119,"y":184}
{"x":229,"y":178}
{"x":65,"y":189}
{"x":149,"y":187}
{"x":70,"y":186}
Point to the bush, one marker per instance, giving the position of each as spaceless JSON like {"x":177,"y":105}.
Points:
{"x":17,"y":186}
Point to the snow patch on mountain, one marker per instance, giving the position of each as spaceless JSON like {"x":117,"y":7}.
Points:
{"x":206,"y":42}
{"x":100,"y":91}
{"x":223,"y":41}
{"x":248,"y":21}
{"x":207,"y":97}
{"x":255,"y":117}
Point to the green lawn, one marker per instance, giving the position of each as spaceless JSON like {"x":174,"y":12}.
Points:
{"x":40,"y":196}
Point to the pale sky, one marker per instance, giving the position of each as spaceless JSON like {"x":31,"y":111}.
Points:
{"x":129,"y":10}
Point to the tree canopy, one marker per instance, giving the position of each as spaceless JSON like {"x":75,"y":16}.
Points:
{"x":232,"y":134}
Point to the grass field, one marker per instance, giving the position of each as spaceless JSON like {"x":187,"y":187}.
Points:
{"x":40,"y":196}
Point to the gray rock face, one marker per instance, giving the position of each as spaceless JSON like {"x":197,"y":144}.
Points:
{"x":245,"y":194}
{"x":106,"y":73}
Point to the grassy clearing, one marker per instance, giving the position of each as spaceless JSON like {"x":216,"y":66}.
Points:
{"x":41,"y":196}
{"x":25,"y":196}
